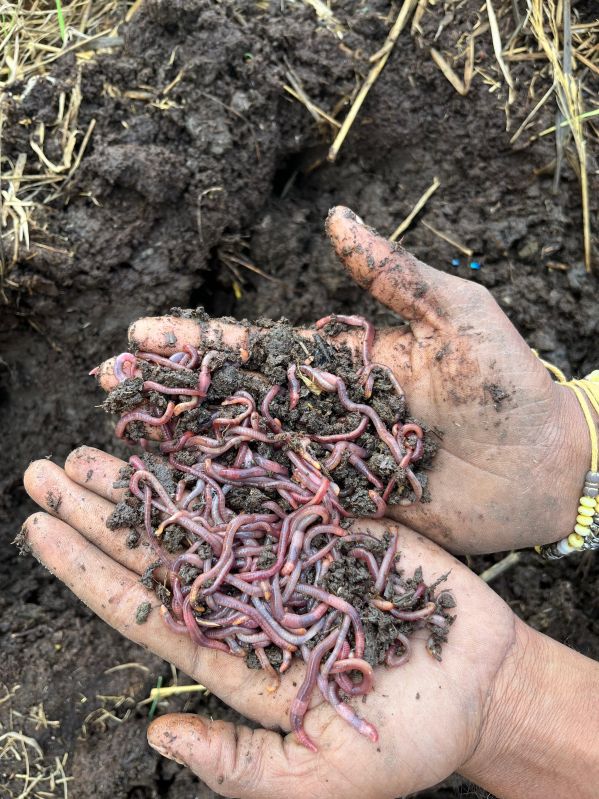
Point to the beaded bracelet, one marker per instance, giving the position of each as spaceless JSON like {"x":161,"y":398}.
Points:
{"x":586,"y":530}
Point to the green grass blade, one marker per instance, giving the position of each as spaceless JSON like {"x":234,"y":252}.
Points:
{"x":61,"y":23}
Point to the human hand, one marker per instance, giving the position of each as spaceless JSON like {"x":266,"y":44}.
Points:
{"x":413,"y":707}
{"x":515,"y":445}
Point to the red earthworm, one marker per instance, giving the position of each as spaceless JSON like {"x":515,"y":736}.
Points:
{"x":247,"y":434}
{"x":176,"y":446}
{"x":253,"y":614}
{"x":379,"y":503}
{"x":348,"y":714}
{"x":292,"y":581}
{"x":392,"y":658}
{"x":294,"y":386}
{"x":361,"y":467}
{"x":341,"y":648}
{"x":321,"y":529}
{"x":176,"y":626}
{"x":438,"y":621}
{"x":389,"y":489}
{"x":416,"y":487}
{"x":271,"y":466}
{"x":304,"y":619}
{"x":368,"y":558}
{"x":124,"y":367}
{"x":195,"y":632}
{"x":337,"y":437}
{"x":368,"y":378}
{"x":225,"y":475}
{"x":332,"y":383}
{"x":414,"y":615}
{"x":302,"y":518}
{"x":146,"y":418}
{"x":287,"y":657}
{"x":354,"y":321}
{"x":347,"y":665}
{"x":219,"y":571}
{"x":299,"y":705}
{"x":334,"y":459}
{"x":386,"y":564}
{"x":274,"y":424}
{"x":299,"y":637}
{"x":205,"y":377}
{"x":339,"y":604}
{"x":236,"y":421}
{"x":160,"y":360}
{"x":151,"y":385}
{"x":267,"y":667}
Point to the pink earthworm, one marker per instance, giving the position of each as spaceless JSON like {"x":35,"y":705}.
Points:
{"x":392,"y":658}
{"x":299,"y":705}
{"x":146,"y":418}
{"x":274,"y":424}
{"x":125,"y":366}
{"x":294,"y":386}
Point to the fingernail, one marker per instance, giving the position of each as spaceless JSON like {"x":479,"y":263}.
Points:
{"x":359,"y":219}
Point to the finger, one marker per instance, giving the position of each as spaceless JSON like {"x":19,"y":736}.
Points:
{"x":114,"y":593}
{"x":393,"y":276}
{"x":165,"y":335}
{"x":97,"y":471}
{"x":49,"y":486}
{"x":234,"y":760}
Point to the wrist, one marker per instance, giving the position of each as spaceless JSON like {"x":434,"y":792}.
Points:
{"x":572,"y":462}
{"x":541,"y":727}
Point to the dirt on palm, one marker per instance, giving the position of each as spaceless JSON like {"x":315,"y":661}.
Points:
{"x":176,"y":189}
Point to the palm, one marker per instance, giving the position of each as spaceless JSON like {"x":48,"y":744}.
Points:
{"x":413,"y":706}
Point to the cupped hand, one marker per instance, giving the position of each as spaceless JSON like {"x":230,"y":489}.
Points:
{"x":432,"y":717}
{"x":514,"y":445}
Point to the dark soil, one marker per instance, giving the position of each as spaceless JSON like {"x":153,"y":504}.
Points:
{"x":234,"y":166}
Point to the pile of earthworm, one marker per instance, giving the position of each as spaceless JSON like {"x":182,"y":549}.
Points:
{"x":257,"y":582}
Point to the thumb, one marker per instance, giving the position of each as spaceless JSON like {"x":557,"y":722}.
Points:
{"x":232,"y":759}
{"x":396,"y":278}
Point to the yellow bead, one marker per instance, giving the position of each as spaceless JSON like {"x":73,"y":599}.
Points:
{"x":538,"y":549}
{"x":588,"y":502}
{"x":578,"y":528}
{"x":575,"y":541}
{"x":585,"y":521}
{"x":585,"y":511}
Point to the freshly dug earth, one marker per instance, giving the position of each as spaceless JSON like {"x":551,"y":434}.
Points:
{"x":232,"y":165}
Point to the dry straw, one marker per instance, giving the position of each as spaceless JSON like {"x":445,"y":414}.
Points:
{"x":33,"y":35}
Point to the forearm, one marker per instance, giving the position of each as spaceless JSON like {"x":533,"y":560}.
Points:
{"x":541,"y":736}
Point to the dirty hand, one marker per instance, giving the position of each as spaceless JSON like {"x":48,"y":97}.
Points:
{"x":478,"y":712}
{"x":515,"y":445}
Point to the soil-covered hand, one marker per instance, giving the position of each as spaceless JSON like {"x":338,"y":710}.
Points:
{"x":429,"y":718}
{"x":514,"y":445}
{"x":506,"y":707}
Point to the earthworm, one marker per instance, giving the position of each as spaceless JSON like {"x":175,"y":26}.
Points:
{"x":294,"y":386}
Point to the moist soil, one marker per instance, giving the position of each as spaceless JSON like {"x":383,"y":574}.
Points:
{"x":173,"y":192}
